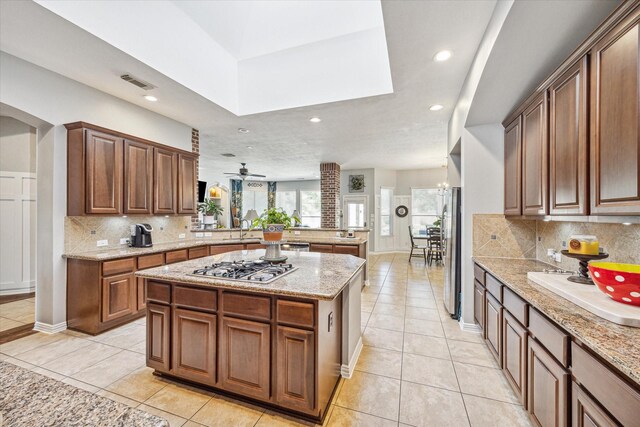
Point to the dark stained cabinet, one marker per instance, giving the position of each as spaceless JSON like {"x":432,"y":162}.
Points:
{"x":138,"y":185}
{"x":194,"y":345}
{"x":478,"y":304}
{"x":119,"y":296}
{"x":615,"y":120}
{"x":513,"y":167}
{"x":587,"y":413}
{"x":103,"y":173}
{"x":534,"y":157}
{"x":514,"y":355}
{"x":547,"y":388}
{"x":493,"y":319}
{"x":187,"y":173}
{"x":568,"y":149}
{"x":165,"y":181}
{"x":242,"y":343}
{"x":158,"y":336}
{"x":295,"y":380}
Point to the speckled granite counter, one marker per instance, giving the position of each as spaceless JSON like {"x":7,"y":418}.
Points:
{"x":29,"y":399}
{"x":125,"y":251}
{"x":318,"y":275}
{"x":619,"y":345}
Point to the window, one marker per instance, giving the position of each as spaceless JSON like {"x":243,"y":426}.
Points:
{"x":386,"y":200}
{"x":310,"y":208}
{"x":287,"y":200}
{"x":254,"y":200}
{"x":426,"y":207}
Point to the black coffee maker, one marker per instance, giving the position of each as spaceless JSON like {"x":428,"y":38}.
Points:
{"x":141,"y":236}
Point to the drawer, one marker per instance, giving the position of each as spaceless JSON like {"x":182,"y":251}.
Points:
{"x":220,"y":249}
{"x":615,"y":395}
{"x":550,"y":336}
{"x":176,"y":256}
{"x":295,"y":313}
{"x":159,"y":292}
{"x":320,"y":247}
{"x":251,"y":306}
{"x":515,"y":305}
{"x":478,"y":273}
{"x":118,"y":266}
{"x":149,"y":261}
{"x":203,"y":299}
{"x":494,"y":287}
{"x":252,"y":246}
{"x":347,"y":249}
{"x":200,"y":252}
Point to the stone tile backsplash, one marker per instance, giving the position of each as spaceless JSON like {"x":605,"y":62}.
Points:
{"x":496,"y":236}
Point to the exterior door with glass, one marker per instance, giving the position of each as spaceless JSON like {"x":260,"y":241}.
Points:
{"x":355,"y":211}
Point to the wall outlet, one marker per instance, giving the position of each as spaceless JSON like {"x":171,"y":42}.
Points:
{"x":199,"y":234}
{"x":208,"y":234}
{"x":557,"y":257}
{"x":101,"y":243}
{"x":124,"y":241}
{"x":181,"y":236}
{"x":296,"y":232}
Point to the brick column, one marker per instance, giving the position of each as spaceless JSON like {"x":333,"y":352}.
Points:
{"x":330,"y":195}
{"x":195,"y":148}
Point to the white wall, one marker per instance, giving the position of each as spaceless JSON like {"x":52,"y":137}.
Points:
{"x":304,"y":185}
{"x":55,"y":100}
{"x":407,"y":179}
{"x":17,"y":146}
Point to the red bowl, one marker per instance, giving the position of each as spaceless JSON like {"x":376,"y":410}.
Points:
{"x":619,"y":281}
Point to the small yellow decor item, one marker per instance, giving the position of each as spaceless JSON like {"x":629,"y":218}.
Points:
{"x":584,"y":245}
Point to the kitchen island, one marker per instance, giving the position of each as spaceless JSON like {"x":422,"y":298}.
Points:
{"x":283,"y":343}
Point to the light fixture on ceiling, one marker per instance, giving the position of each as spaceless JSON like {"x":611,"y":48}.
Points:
{"x":150,"y":98}
{"x":228,"y":155}
{"x":249,"y":147}
{"x":436,"y":107}
{"x":443,"y":55}
{"x":243,"y":130}
{"x":315,"y":119}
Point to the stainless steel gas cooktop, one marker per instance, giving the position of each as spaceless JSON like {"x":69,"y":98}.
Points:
{"x":256,"y":271}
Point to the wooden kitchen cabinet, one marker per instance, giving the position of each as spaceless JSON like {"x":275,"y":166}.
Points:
{"x":547,"y":388}
{"x":321,"y":247}
{"x":493,"y":330}
{"x":615,"y":115}
{"x":194,"y":345}
{"x":535,"y":164}
{"x":158,"y":337}
{"x":138,"y":174}
{"x":585,"y":412}
{"x":295,"y":379}
{"x":514,"y":355}
{"x":187,"y":176}
{"x":346,"y":249}
{"x":568,"y":145}
{"x":242,"y":343}
{"x":513,"y":167}
{"x":119,"y":296}
{"x":221,"y":249}
{"x":165,"y":181}
{"x":478,"y":305}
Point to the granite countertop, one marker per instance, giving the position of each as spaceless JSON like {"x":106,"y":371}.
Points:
{"x":29,"y":399}
{"x":318,"y":275}
{"x":619,"y":345}
{"x":126,"y":251}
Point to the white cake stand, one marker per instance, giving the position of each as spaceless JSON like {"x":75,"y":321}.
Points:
{"x":273,"y":253}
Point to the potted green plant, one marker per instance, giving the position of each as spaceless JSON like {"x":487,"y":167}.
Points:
{"x":210,"y":211}
{"x":273,"y":223}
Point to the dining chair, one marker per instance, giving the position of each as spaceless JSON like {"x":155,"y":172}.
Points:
{"x":418,"y":247}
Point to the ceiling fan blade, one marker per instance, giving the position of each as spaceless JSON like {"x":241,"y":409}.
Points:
{"x":231,"y":173}
{"x":255,"y":174}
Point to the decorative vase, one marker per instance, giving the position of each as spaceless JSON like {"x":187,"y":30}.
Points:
{"x":273,"y":232}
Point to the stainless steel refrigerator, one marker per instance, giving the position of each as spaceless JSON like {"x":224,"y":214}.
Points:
{"x":451,"y":237}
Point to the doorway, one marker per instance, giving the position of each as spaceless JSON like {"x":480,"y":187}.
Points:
{"x":355,"y":211}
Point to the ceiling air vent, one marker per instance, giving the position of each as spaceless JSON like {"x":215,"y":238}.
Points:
{"x":136,"y":81}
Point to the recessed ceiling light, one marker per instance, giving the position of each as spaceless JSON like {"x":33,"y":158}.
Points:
{"x":436,"y":107}
{"x":315,"y":119}
{"x":443,"y":55}
{"x":249,"y":147}
{"x":150,"y":98}
{"x":243,"y":130}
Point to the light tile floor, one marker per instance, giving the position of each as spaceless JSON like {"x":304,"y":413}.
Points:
{"x":17,"y":313}
{"x":417,"y":367}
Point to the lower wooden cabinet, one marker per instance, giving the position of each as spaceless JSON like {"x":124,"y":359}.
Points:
{"x":478,"y":304}
{"x":321,"y":247}
{"x":119,"y":296}
{"x":220,"y":249}
{"x":141,"y":300}
{"x":587,"y":413}
{"x":346,"y":249}
{"x":493,"y":334}
{"x":194,"y":345}
{"x":514,"y":355}
{"x":548,"y":388}
{"x":242,"y":343}
{"x":158,"y":337}
{"x":295,"y":379}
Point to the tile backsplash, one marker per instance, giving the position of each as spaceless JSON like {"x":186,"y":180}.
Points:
{"x":496,"y":236}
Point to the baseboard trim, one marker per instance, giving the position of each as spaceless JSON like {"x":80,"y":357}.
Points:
{"x":48,"y":328}
{"x":347,"y":370}
{"x":470,"y":327}
{"x":18,"y":291}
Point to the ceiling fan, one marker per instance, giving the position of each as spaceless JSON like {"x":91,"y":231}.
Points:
{"x":243,"y":173}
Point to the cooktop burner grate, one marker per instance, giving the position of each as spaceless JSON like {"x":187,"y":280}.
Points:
{"x":257,"y":271}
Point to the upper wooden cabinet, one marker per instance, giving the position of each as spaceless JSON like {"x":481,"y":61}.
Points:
{"x":535,"y":165}
{"x":110,"y":173}
{"x":165,"y":181}
{"x":138,"y":173}
{"x":513,"y":167}
{"x":568,"y":142}
{"x":615,"y":120}
{"x":187,"y":173}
